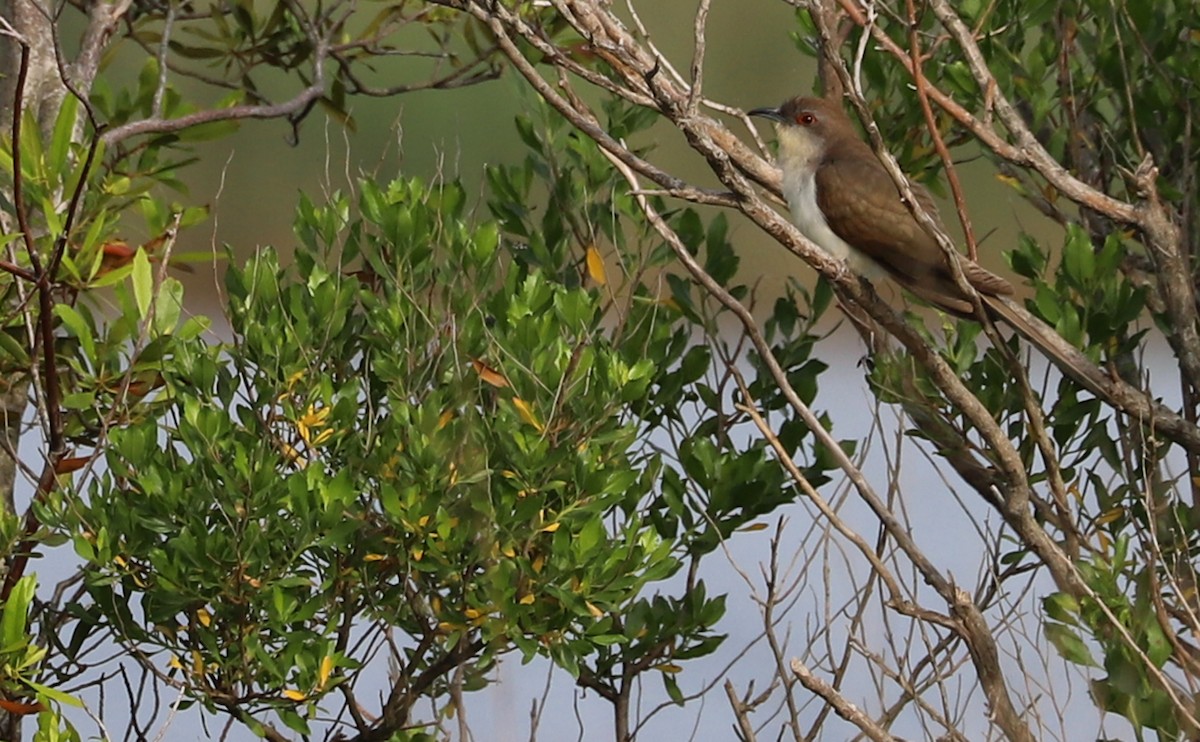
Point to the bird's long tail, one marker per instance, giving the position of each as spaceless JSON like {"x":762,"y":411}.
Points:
{"x":1069,"y":359}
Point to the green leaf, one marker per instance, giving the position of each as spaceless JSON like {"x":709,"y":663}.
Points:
{"x":53,"y":694}
{"x":1079,"y":259}
{"x":1069,"y":645}
{"x":79,"y":326}
{"x":16,"y":611}
{"x":60,"y":142}
{"x":143,"y":282}
{"x":1061,"y":607}
{"x":168,"y":304}
{"x":1158,"y":647}
{"x":672,"y":687}
{"x":79,"y":400}
{"x":14,"y":350}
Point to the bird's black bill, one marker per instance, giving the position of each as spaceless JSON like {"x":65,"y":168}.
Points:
{"x":767,"y":113}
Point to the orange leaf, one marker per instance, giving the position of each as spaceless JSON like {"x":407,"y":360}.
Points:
{"x":489,"y":374}
{"x":117,"y":250}
{"x":74,"y":463}
{"x":595,"y":266}
{"x":20,"y":708}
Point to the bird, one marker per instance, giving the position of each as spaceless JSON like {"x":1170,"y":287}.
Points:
{"x":843,"y":199}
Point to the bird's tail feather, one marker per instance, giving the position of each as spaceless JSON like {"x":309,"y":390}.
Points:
{"x":1069,"y":359}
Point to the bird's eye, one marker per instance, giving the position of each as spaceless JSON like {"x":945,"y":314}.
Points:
{"x":806,"y":119}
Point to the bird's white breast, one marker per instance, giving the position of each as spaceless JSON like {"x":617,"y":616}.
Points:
{"x":800,"y":189}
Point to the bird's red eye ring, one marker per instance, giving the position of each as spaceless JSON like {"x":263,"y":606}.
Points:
{"x":806,"y":119}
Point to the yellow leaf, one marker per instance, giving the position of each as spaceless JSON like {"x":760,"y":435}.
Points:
{"x":311,"y":420}
{"x":753,"y":527}
{"x":325,"y":671}
{"x":293,"y":456}
{"x":119,"y":561}
{"x":526,"y":413}
{"x":509,"y":552}
{"x":294,"y":695}
{"x":174,"y":662}
{"x":315,"y":418}
{"x":595,"y":266}
{"x":471,"y":613}
{"x":668,"y":668}
{"x":592,"y":609}
{"x":204,"y":617}
{"x":1110,"y":515}
{"x":538,"y":562}
{"x":445,"y":418}
{"x":526,"y":599}
{"x":417,"y":554}
{"x":551,"y":528}
{"x":374,"y":558}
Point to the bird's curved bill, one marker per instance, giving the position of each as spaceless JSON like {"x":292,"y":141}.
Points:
{"x":767,"y":113}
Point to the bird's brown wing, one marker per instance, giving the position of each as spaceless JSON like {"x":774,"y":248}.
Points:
{"x":907,"y":251}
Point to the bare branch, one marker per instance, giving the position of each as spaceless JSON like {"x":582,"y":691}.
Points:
{"x":293,"y":110}
{"x":844,"y":708}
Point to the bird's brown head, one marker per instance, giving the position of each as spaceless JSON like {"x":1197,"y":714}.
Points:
{"x":807,"y":127}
